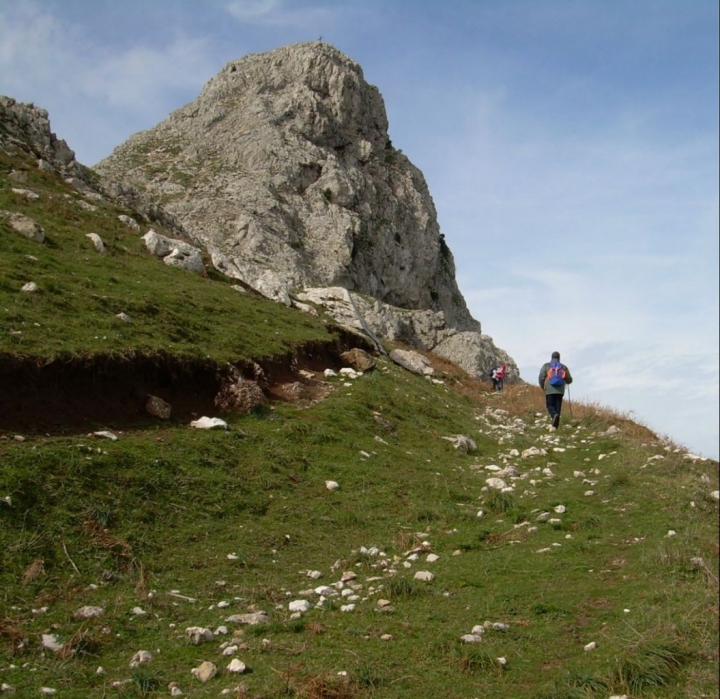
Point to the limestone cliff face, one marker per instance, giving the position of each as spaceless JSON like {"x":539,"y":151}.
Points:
{"x":283,"y":168}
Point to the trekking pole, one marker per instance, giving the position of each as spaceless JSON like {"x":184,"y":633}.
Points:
{"x":569,"y":401}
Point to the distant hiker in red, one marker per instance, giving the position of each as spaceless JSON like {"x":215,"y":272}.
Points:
{"x":553,"y":378}
{"x":498,"y":376}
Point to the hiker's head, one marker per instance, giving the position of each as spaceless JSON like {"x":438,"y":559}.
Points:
{"x":556,"y":356}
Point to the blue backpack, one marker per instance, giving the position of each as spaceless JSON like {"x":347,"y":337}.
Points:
{"x":556,"y":374}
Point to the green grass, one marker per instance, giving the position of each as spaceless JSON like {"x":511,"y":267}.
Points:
{"x":124,"y":524}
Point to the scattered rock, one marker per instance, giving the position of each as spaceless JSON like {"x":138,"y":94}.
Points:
{"x":142,"y":657}
{"x":24,"y":225}
{"x":96,"y":241}
{"x":238,"y":394}
{"x":424,"y":575}
{"x":205,"y":671}
{"x":251,"y":619}
{"x":157,"y":407}
{"x":590,"y":646}
{"x":236,"y":666}
{"x":26,"y":194}
{"x":496,"y":483}
{"x":462,"y":443}
{"x":50,"y":642}
{"x":332,"y":485}
{"x":358,"y":359}
{"x":471,"y":638}
{"x":129,"y":222}
{"x":105,"y":434}
{"x":412,"y":361}
{"x":209,"y":423}
{"x":199,"y":634}
{"x":30,"y":287}
{"x":299,"y":605}
{"x":89,"y":612}
{"x":124,"y":317}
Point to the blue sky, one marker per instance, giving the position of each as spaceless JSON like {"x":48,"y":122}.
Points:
{"x":571,"y":149}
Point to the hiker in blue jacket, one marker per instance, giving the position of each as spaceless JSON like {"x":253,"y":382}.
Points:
{"x":553,"y":378}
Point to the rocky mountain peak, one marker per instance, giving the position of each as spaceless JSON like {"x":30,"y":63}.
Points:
{"x":284,"y":169}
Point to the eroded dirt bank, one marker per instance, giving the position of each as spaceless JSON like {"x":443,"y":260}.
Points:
{"x":79,"y":395}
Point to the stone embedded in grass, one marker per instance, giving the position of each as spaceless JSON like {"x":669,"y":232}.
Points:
{"x":332,"y":485}
{"x":588,"y":493}
{"x":129,"y":222}
{"x":48,"y":691}
{"x":89,"y":612}
{"x":590,"y":646}
{"x":142,"y":657}
{"x":299,"y":605}
{"x":496,"y":483}
{"x":543,"y":517}
{"x":124,"y":317}
{"x":24,"y":225}
{"x":533,"y":451}
{"x":715,"y":494}
{"x":97,"y":241}
{"x":347,"y":576}
{"x":106,"y":434}
{"x":432,"y":557}
{"x":138,"y":611}
{"x":470,"y":638}
{"x":671,"y":533}
{"x":49,"y":642}
{"x":478,"y":630}
{"x":578,"y":474}
{"x":29,"y":288}
{"x":199,"y":634}
{"x":251,"y":619}
{"x":230,"y":650}
{"x":205,"y":671}
{"x":424,"y":575}
{"x":347,"y":608}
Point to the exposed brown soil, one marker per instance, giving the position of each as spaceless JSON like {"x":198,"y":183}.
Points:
{"x":82,"y":395}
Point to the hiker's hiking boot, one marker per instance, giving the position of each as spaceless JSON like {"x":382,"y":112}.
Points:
{"x":556,"y":421}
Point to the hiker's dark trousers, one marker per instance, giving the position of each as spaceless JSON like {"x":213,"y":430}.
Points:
{"x":554,"y":403}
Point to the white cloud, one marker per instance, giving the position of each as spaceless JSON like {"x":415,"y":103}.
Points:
{"x":279,"y":13}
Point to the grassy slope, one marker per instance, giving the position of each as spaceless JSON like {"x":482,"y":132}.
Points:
{"x":122,"y":524}
{"x":74,"y":313}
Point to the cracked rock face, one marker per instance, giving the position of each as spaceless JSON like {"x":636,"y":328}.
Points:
{"x":284,"y":169}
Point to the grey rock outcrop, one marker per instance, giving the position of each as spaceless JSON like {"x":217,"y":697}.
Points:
{"x":284,"y":169}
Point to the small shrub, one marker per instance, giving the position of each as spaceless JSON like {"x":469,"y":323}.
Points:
{"x":650,"y":665}
{"x":499,"y":503}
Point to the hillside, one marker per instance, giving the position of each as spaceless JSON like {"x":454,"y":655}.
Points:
{"x":343,"y":537}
